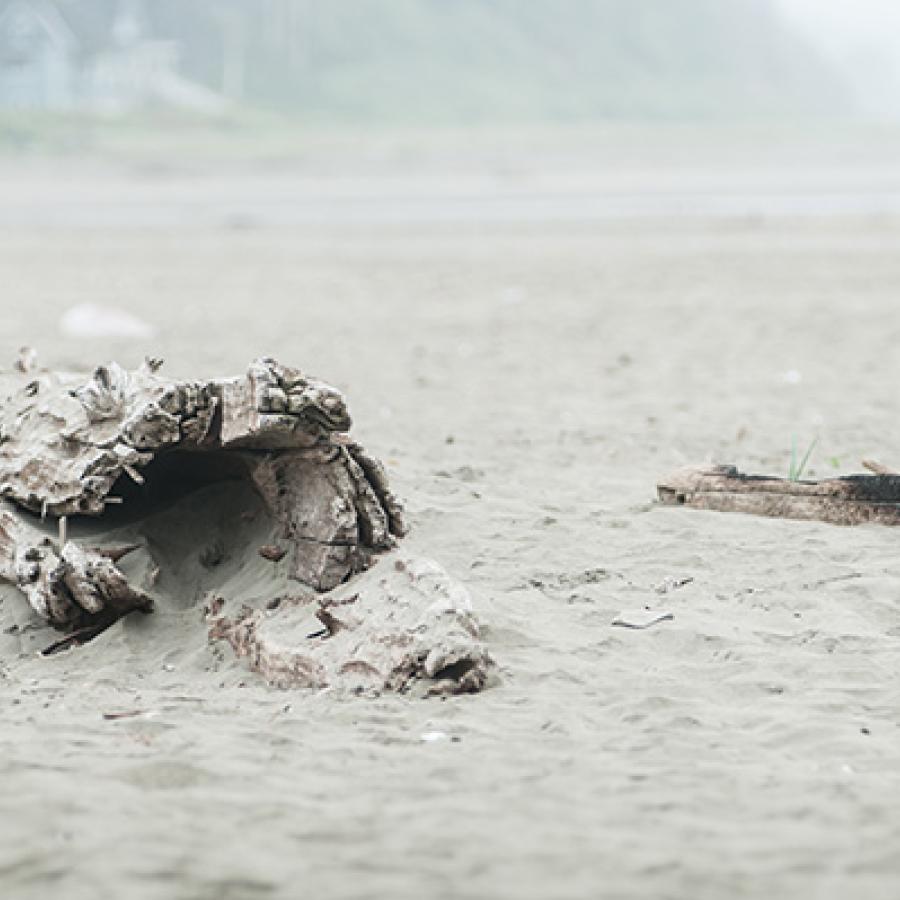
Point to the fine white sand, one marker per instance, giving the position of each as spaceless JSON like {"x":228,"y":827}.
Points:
{"x":526,"y":384}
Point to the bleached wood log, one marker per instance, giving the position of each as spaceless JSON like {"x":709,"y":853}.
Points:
{"x":72,"y":447}
{"x":850,"y":500}
{"x":65,"y":443}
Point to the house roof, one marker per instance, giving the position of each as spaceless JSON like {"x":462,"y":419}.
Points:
{"x":44,"y":15}
{"x":92,"y":22}
{"x":86,"y":26}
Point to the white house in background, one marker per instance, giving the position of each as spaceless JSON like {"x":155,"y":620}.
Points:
{"x":40,"y":66}
{"x":51,"y":60}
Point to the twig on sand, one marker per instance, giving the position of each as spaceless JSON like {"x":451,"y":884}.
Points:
{"x":79,"y":637}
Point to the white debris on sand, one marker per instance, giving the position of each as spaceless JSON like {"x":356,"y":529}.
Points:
{"x":89,"y":320}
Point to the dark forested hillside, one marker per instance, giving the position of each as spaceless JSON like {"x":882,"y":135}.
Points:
{"x":470,"y":60}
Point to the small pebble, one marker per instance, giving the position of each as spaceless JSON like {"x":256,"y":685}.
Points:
{"x":272,"y":552}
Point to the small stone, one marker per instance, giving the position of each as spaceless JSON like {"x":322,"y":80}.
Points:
{"x":272,"y":552}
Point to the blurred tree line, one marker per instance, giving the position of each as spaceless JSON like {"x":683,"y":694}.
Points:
{"x":470,"y":60}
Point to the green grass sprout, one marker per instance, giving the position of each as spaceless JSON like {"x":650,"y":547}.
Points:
{"x":797,"y":468}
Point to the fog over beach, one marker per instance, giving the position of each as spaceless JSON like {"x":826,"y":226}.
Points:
{"x":550,"y":252}
{"x":862,"y":40}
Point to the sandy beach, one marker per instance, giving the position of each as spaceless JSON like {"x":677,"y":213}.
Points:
{"x":527,"y":375}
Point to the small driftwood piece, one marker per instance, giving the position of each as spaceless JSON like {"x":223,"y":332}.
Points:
{"x":850,"y":500}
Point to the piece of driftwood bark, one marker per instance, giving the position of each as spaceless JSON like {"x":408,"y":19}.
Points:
{"x":403,"y":623}
{"x":850,"y":500}
{"x":66,"y":585}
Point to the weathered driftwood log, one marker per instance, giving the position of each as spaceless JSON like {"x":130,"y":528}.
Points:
{"x":72,"y":447}
{"x":851,"y":500}
{"x":65,"y":445}
{"x":403,"y":622}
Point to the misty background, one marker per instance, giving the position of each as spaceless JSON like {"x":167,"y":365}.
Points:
{"x":504,"y":110}
{"x":452,"y":62}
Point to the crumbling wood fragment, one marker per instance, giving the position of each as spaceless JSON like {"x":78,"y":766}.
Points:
{"x":850,"y":500}
{"x":404,"y":623}
{"x":67,"y":585}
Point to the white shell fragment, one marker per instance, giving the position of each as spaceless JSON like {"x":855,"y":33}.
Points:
{"x":88,"y":320}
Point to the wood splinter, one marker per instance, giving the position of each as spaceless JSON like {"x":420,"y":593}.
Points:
{"x":877,"y":468}
{"x":849,"y":500}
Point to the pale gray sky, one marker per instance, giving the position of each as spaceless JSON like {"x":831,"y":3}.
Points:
{"x":863,"y":38}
